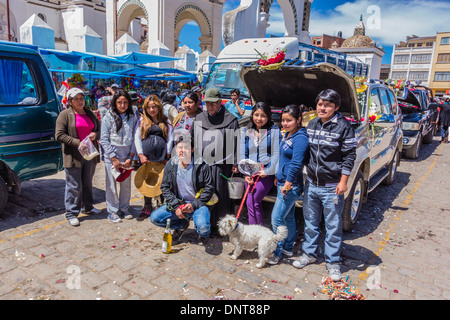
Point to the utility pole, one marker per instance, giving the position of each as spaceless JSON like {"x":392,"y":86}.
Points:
{"x":8,"y":20}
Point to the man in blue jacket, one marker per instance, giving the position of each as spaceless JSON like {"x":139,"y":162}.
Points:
{"x":332,"y":155}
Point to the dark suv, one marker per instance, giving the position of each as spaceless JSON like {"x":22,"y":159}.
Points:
{"x":420,"y":117}
{"x":379,"y":142}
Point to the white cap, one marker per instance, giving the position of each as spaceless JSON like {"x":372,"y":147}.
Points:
{"x":73,"y":92}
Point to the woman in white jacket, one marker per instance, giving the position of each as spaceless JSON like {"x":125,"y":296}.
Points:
{"x":117,"y":139}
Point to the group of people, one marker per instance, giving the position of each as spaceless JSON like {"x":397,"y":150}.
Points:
{"x":200,"y":150}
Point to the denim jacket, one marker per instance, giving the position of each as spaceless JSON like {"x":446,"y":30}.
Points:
{"x":111,"y":140}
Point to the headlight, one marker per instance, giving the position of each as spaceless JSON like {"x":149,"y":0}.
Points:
{"x":410,"y":126}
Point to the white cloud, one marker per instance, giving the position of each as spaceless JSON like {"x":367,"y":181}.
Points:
{"x":397,"y":19}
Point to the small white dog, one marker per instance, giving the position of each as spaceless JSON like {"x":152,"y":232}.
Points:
{"x":250,"y":236}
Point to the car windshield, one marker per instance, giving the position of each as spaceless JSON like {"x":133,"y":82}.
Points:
{"x":225,"y":77}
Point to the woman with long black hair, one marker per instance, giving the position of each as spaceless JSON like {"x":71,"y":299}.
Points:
{"x":260,"y":142}
{"x":117,"y":140}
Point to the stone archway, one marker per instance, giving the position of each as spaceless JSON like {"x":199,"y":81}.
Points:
{"x":191,"y":12}
{"x":128,"y":11}
{"x":165,"y":18}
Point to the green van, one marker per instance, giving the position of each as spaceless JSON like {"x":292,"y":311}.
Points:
{"x":28,"y":110}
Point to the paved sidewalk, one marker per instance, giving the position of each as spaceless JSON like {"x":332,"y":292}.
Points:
{"x":400,"y":248}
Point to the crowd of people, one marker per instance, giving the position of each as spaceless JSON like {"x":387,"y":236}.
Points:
{"x":198,"y":147}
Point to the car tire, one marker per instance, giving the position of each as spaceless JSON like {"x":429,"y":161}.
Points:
{"x":16,"y":187}
{"x":428,"y":138}
{"x":414,"y":151}
{"x":353,"y":203}
{"x":3,"y":194}
{"x":392,"y":169}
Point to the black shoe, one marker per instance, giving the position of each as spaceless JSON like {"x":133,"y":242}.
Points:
{"x":176,"y":236}
{"x":202,"y":241}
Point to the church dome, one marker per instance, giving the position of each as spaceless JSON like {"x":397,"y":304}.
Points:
{"x":359,"y":38}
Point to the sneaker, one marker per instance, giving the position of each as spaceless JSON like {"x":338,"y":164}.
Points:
{"x":176,"y":236}
{"x":74,"y":222}
{"x":126,"y":215}
{"x":202,"y":241}
{"x":303,"y":261}
{"x":145,"y":213}
{"x":113,"y":217}
{"x":287,"y":253}
{"x":95,"y":211}
{"x":334,"y":272}
{"x":274,"y":260}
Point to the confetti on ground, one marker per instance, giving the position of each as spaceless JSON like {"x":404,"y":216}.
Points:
{"x":340,"y":289}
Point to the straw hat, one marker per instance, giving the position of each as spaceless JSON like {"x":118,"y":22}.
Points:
{"x":148,"y":179}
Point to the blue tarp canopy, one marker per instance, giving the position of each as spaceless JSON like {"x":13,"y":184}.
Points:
{"x":132,"y":58}
{"x":92,"y":74}
{"x":143,"y":58}
{"x":153,"y":73}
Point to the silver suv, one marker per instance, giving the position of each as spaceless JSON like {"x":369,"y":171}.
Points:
{"x":372,"y":109}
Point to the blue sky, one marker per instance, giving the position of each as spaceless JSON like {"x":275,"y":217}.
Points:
{"x":386,"y":21}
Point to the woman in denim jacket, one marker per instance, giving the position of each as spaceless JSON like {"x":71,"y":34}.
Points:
{"x":260,"y":142}
{"x":117,"y":139}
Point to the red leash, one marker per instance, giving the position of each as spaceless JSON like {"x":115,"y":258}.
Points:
{"x":246,"y":193}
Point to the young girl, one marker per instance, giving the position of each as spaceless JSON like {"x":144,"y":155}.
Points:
{"x":289,"y":178}
{"x":153,"y":140}
{"x":117,"y":140}
{"x":260,"y":142}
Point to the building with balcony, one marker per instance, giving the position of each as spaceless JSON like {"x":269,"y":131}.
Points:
{"x":440,"y":70}
{"x":412,"y":60}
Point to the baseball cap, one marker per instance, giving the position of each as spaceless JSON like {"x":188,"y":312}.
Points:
{"x":212,"y":95}
{"x":73,"y":92}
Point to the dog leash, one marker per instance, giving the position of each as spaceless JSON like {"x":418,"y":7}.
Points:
{"x":246,"y":193}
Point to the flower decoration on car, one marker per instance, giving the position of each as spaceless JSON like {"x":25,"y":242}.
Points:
{"x":360,"y":84}
{"x":271,"y":62}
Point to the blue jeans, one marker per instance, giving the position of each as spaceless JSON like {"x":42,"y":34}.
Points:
{"x":324,"y":200}
{"x":283,"y":214}
{"x":201,"y":219}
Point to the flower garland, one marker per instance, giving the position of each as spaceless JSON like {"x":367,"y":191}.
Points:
{"x":272,"y":62}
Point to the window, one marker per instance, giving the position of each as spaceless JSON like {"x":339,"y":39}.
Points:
{"x":401,"y":58}
{"x":16,"y":83}
{"x":421,"y":58}
{"x":442,"y":76}
{"x":429,"y":44}
{"x":397,"y":75}
{"x":375,"y":106}
{"x":386,"y":107}
{"x":443,"y":58}
{"x":418,"y":75}
{"x":445,"y":40}
{"x":419,"y":44}
{"x":393,"y":102}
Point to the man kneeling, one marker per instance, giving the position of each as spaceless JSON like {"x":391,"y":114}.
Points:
{"x":182,"y":180}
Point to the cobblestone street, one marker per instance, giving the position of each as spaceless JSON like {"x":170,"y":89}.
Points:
{"x":399,"y":249}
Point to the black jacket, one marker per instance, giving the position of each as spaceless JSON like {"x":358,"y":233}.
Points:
{"x":201,"y":178}
{"x":332,"y":150}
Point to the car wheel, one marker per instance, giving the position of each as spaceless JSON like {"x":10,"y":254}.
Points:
{"x":16,"y":187}
{"x":3,"y":194}
{"x":392,"y":169}
{"x":353,"y":203}
{"x":428,"y":138}
{"x":414,"y":151}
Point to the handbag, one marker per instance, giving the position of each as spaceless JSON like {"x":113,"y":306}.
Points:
{"x":87,"y":149}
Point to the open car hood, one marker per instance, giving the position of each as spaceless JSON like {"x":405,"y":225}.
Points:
{"x":300,"y":84}
{"x":410,"y":98}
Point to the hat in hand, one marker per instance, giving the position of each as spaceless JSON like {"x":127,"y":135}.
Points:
{"x":121,"y":174}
